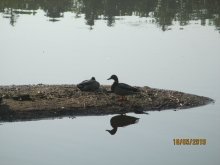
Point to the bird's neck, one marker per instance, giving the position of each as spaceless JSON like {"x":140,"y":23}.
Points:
{"x":113,"y":131}
{"x":114,"y":85}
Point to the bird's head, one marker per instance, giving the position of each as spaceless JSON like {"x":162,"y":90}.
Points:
{"x":113,"y":131}
{"x":93,"y":78}
{"x":113,"y":77}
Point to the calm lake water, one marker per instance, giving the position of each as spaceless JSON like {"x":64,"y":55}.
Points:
{"x":162,"y":44}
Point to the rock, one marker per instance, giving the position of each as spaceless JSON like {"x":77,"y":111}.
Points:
{"x":22,"y":97}
{"x":140,"y":111}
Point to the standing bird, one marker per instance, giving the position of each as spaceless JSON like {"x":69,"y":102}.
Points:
{"x":121,"y":121}
{"x":121,"y":88}
{"x":89,"y":85}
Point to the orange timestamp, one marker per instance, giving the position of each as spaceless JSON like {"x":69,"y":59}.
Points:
{"x":189,"y":141}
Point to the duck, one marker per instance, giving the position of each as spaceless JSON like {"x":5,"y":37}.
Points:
{"x":89,"y":85}
{"x":121,"y":121}
{"x":122,"y":89}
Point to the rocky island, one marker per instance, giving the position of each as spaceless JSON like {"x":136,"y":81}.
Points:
{"x":33,"y":102}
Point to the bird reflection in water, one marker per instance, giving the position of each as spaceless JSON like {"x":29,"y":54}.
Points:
{"x":121,"y":121}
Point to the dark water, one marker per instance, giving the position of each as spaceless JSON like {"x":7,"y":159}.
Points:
{"x":162,"y":44}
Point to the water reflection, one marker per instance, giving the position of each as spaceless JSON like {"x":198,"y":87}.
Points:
{"x":121,"y":121}
{"x":161,"y":12}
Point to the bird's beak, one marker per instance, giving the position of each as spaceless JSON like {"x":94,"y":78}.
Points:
{"x":109,"y":78}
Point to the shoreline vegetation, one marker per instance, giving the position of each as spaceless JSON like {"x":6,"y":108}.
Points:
{"x":34,"y":102}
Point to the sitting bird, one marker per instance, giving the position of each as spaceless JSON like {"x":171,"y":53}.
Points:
{"x":121,"y":88}
{"x":89,"y":85}
{"x":121,"y":121}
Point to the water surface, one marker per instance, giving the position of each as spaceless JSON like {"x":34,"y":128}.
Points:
{"x":162,"y":44}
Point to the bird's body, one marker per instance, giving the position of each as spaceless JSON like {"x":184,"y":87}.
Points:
{"x":121,"y":121}
{"x":89,"y":85}
{"x":122,"y":89}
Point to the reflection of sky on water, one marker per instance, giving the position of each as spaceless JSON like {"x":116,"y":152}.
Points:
{"x":36,"y":50}
{"x":67,"y":52}
{"x":83,"y":140}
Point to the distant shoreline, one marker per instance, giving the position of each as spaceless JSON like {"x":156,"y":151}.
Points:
{"x":33,"y":102}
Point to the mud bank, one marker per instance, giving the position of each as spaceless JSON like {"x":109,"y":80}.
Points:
{"x":33,"y":102}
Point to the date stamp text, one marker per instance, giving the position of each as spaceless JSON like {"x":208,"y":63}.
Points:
{"x":189,"y":141}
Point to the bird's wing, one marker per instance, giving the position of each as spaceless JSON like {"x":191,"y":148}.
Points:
{"x":86,"y":82}
{"x":128,"y":87}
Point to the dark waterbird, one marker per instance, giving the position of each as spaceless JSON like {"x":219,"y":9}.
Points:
{"x":89,"y":85}
{"x":122,"y":89}
{"x":121,"y":121}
